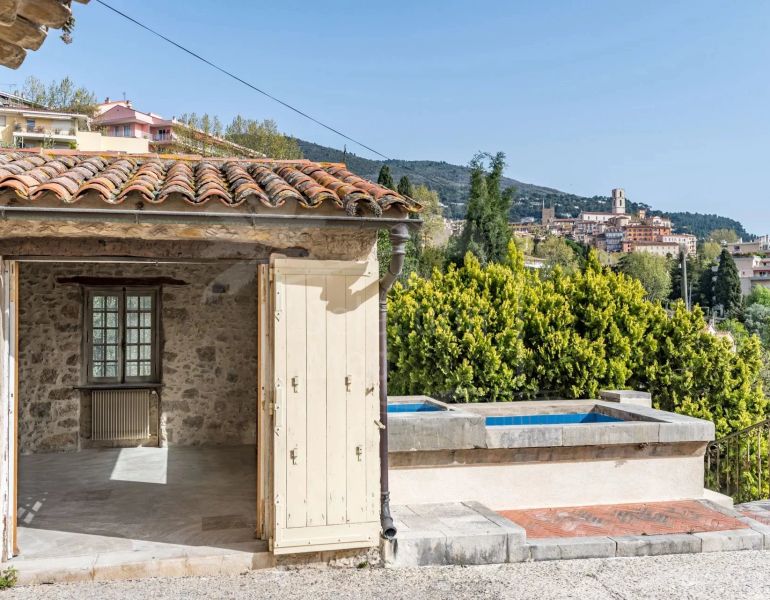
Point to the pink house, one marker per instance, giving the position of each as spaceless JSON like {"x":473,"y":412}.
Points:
{"x":120,"y":119}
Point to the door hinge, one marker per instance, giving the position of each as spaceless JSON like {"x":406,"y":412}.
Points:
{"x":270,"y":544}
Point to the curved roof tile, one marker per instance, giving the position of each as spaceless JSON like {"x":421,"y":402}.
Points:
{"x":114,"y":178}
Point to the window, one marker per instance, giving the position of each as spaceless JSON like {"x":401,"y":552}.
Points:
{"x":2,"y":121}
{"x":121,"y":342}
{"x":30,"y":124}
{"x":126,"y":130}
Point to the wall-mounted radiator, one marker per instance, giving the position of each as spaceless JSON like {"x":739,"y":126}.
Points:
{"x":120,"y":414}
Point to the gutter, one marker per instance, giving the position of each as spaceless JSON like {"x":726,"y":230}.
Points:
{"x":399,"y":235}
{"x":178,"y":216}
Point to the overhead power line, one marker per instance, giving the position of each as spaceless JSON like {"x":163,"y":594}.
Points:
{"x":261,"y":91}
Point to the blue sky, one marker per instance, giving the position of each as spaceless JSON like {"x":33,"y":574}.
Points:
{"x":670,"y":100}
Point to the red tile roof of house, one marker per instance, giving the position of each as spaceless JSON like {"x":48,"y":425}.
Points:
{"x":115,"y":178}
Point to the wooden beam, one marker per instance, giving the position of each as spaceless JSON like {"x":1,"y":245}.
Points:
{"x":119,"y":281}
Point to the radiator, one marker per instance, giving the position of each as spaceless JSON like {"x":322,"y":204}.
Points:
{"x":120,"y":414}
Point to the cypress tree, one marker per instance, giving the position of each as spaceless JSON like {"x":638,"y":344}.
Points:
{"x":405,"y":187}
{"x":385,"y":179}
{"x":727,"y":288}
{"x":486,"y":233}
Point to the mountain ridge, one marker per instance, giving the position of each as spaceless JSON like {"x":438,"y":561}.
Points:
{"x":452,"y":183}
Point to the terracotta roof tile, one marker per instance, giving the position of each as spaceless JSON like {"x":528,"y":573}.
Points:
{"x":233,"y":182}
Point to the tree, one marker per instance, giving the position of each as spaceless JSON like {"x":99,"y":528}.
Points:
{"x":262,"y":136}
{"x":756,"y":318}
{"x":759,"y":295}
{"x":557,"y":252}
{"x":385,"y":179}
{"x":651,"y":271}
{"x":727,"y":287}
{"x":62,"y":95}
{"x":486,"y":232}
{"x":723,"y":235}
{"x":405,"y":187}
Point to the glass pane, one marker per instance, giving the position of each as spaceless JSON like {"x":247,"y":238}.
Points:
{"x":145,"y":369}
{"x":146,"y":336}
{"x":131,"y":319}
{"x":111,"y":370}
{"x":146,"y":320}
{"x":98,"y":353}
{"x":132,"y":336}
{"x":144,"y":352}
{"x":112,"y":336}
{"x":112,"y":319}
{"x":132,"y":369}
{"x":112,"y":303}
{"x":98,"y":370}
{"x":98,"y":319}
{"x":131,"y":353}
{"x":98,"y":302}
{"x":132,"y":302}
{"x":112,"y":353}
{"x":98,"y":336}
{"x":146,"y":302}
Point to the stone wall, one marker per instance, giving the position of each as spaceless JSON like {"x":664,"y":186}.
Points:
{"x":209,"y":355}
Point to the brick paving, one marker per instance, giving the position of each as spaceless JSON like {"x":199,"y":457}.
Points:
{"x":654,"y":518}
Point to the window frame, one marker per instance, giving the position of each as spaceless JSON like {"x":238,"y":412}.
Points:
{"x":121,"y":378}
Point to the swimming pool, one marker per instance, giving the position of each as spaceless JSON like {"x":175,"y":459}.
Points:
{"x":412,"y":407}
{"x":555,"y":419}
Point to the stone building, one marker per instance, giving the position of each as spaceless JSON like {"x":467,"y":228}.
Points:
{"x":193,"y":309}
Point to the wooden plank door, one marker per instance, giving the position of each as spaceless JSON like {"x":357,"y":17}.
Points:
{"x":9,"y":394}
{"x":325,"y":385}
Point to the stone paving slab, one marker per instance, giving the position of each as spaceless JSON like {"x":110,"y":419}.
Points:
{"x":452,"y":534}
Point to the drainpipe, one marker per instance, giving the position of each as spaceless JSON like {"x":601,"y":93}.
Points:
{"x":399,"y":234}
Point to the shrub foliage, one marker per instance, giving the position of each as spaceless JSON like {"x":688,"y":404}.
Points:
{"x":500,"y":333}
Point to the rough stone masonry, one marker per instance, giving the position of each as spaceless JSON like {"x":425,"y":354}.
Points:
{"x":208,"y":349}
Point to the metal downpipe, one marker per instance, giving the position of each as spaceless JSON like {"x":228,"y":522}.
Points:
{"x":399,"y":235}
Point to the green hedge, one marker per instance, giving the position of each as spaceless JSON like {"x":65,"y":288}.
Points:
{"x":499,"y":333}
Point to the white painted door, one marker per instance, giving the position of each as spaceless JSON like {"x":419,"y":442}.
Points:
{"x":326,"y":408}
{"x":8,"y":403}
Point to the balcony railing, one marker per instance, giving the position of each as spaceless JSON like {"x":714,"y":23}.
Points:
{"x":39,"y":130}
{"x":738,"y":465}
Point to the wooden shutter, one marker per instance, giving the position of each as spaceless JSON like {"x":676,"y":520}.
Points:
{"x":325,"y":376}
{"x":9,"y":393}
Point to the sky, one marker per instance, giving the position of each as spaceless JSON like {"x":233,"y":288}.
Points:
{"x":667,"y":99}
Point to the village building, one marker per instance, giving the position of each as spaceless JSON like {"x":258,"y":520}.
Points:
{"x":26,"y":124}
{"x":194,"y":349}
{"x":119,"y":118}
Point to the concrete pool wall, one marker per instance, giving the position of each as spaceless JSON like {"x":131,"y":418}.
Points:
{"x":453,"y":456}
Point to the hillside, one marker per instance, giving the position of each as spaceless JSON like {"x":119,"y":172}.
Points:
{"x":451,"y":182}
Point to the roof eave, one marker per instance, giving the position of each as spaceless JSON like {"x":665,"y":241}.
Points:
{"x":207,"y":217}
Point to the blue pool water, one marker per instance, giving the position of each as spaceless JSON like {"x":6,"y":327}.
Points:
{"x":565,"y":419}
{"x":413,"y":407}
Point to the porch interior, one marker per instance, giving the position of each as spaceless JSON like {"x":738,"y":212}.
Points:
{"x":140,"y":500}
{"x":190,"y":487}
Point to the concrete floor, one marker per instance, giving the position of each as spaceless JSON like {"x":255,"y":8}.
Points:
{"x":137,"y":499}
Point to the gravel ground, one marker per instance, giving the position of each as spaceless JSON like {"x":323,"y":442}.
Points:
{"x":728,"y":575}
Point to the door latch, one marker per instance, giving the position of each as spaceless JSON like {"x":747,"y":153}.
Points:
{"x":293,"y":454}
{"x":295,"y":384}
{"x":348,"y":381}
{"x":359,"y":452}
